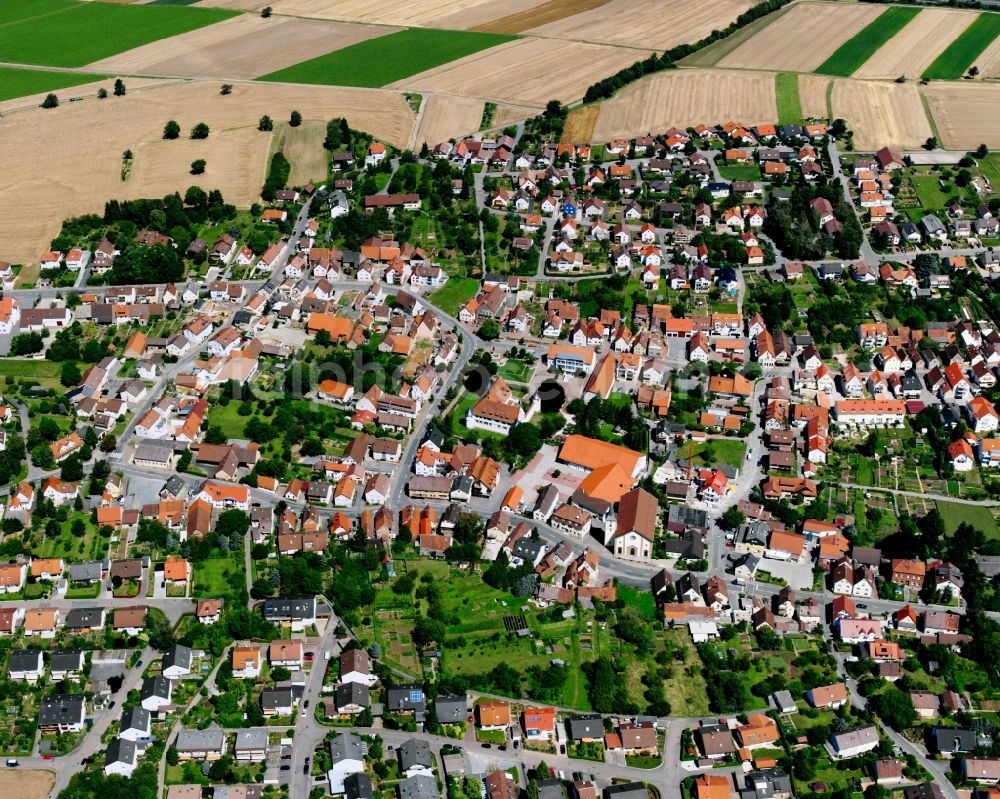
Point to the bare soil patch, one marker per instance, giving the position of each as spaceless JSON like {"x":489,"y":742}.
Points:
{"x":447,"y":117}
{"x":529,"y":71}
{"x":913,"y":49}
{"x":26,"y":783}
{"x":243,"y":47}
{"x":78,"y":148}
{"x":664,"y":25}
{"x":965,"y":113}
{"x":881,"y":114}
{"x":803,"y":38}
{"x":687,"y":97}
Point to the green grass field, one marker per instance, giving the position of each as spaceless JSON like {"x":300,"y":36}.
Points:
{"x":862,"y":46}
{"x":979,"y":517}
{"x":454,"y":294}
{"x":962,"y":53}
{"x":929,"y":193}
{"x":515,"y":371}
{"x":787,"y":89}
{"x":739,"y":171}
{"x":20,"y":82}
{"x":66,"y":33}
{"x":385,"y":59}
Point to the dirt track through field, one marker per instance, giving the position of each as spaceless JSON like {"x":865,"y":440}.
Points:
{"x":881,"y":113}
{"x":78,"y":148}
{"x":913,"y":49}
{"x":242,"y":47}
{"x":447,"y":117}
{"x":529,"y":71}
{"x":687,"y":97}
{"x":965,"y":113}
{"x":803,"y":38}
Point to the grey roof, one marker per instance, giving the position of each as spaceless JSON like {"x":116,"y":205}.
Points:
{"x":352,"y":693}
{"x":210,"y":740}
{"x":84,"y":618}
{"x":626,"y":790}
{"x":587,"y":726}
{"x":551,"y":789}
{"x":414,"y":752}
{"x":528,"y":549}
{"x":86,"y":571}
{"x":689,"y":517}
{"x":358,"y":786}
{"x":154,"y":452}
{"x":406,"y":698}
{"x":25,"y":660}
{"x":783,"y":699}
{"x":450,"y":709}
{"x":419,"y":786}
{"x":275,"y":698}
{"x":851,"y":738}
{"x":290,"y":608}
{"x":61,"y":709}
{"x":120,"y":750}
{"x":135,"y":718}
{"x":156,"y":686}
{"x":955,"y":739}
{"x":254,"y":738}
{"x":66,"y":659}
{"x":177,"y":655}
{"x":173,"y":485}
{"x":346,"y":746}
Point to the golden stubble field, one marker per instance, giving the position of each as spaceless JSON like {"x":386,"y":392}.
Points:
{"x":242,"y":47}
{"x":965,"y":113}
{"x":913,"y":49}
{"x":687,"y":97}
{"x":528,"y":71}
{"x":881,"y":113}
{"x":67,"y":161}
{"x":446,"y":117}
{"x":802,"y":38}
{"x":812,"y":95}
{"x":663,"y":25}
{"x":26,"y":783}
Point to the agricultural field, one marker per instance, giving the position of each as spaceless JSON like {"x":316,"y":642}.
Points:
{"x":962,"y":53}
{"x":445,"y":117}
{"x":803,"y":38}
{"x":880,"y":113}
{"x":303,"y":147}
{"x":954,"y":514}
{"x":912,"y":50}
{"x":26,"y":783}
{"x":380,"y":61}
{"x":545,"y":69}
{"x":522,"y":15}
{"x":965,"y":113}
{"x":20,"y":82}
{"x":422,"y":13}
{"x":813,"y":91}
{"x":789,"y":103}
{"x":988,"y":62}
{"x":664,"y":26}
{"x":847,"y":58}
{"x":243,"y":47}
{"x":76,"y":33}
{"x":79,"y":148}
{"x":687,"y":97}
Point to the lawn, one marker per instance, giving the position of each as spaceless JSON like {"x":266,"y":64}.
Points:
{"x":75,"y":33}
{"x":44,"y":373}
{"x":739,"y":171}
{"x":787,"y":88}
{"x":979,"y":517}
{"x":720,"y":450}
{"x":215,"y":577}
{"x":862,"y":46}
{"x":20,"y":82}
{"x":515,"y":371}
{"x":962,"y":53}
{"x":454,"y":294}
{"x":377,"y":62}
{"x":228,"y":418}
{"x":929,"y":193}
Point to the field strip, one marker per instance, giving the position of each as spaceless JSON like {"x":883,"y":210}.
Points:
{"x":859,"y":48}
{"x":16,"y":82}
{"x":580,"y":124}
{"x":541,"y":14}
{"x":813,"y":91}
{"x":913,"y":49}
{"x":385,"y":59}
{"x":803,"y":38}
{"x":446,"y":117}
{"x":963,"y":51}
{"x":881,"y":113}
{"x":786,"y":87}
{"x":964,"y":113}
{"x":715,"y":52}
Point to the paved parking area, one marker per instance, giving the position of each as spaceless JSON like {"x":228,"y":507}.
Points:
{"x":540,"y":473}
{"x":799,"y":576}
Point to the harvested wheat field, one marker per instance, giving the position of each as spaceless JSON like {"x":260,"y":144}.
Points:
{"x":965,"y":113}
{"x":303,"y":147}
{"x":79,"y":148}
{"x":989,"y":60}
{"x":446,"y":117}
{"x":812,"y":96}
{"x":26,"y":783}
{"x":242,"y":47}
{"x":580,"y":124}
{"x":881,"y":114}
{"x":802,"y":38}
{"x":87,"y":90}
{"x":518,"y":20}
{"x":383,"y":12}
{"x":664,"y":25}
{"x":913,"y":49}
{"x":506,"y":114}
{"x":687,"y":97}
{"x":483,"y":16}
{"x":236,"y":5}
{"x":529,"y":71}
